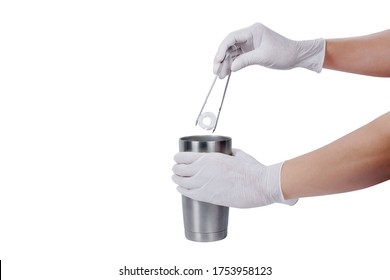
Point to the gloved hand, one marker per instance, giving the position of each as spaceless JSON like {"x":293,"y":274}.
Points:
{"x":235,"y":181}
{"x":257,"y":44}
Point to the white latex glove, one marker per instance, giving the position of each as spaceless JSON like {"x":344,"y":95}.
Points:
{"x":235,"y":181}
{"x":257,"y":44}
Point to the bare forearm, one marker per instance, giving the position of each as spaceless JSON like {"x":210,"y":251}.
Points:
{"x":355,"y":161}
{"x":366,"y":55}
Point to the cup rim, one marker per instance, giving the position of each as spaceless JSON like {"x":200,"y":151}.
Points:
{"x":205,"y":138}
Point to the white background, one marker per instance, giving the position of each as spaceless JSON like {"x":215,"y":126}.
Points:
{"x":93,"y":98}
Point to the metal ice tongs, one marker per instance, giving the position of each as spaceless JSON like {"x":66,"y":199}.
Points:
{"x":211,"y":88}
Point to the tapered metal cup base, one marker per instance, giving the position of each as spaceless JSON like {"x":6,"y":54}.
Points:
{"x":204,"y":222}
{"x":205,"y":237}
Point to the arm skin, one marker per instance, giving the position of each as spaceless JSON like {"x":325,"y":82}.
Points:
{"x":361,"y":158}
{"x":358,"y":160}
{"x":366,"y":55}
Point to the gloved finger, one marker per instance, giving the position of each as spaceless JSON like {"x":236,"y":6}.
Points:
{"x":237,"y":37}
{"x":217,"y":69}
{"x":188,"y":183}
{"x":187,"y":157}
{"x":243,"y":61}
{"x":185,"y":170}
{"x":199,"y":195}
{"x":224,"y":70}
{"x":194,"y":194}
{"x":188,"y":193}
{"x":234,"y":53}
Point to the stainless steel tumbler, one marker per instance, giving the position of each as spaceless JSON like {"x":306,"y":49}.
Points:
{"x":205,"y":222}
